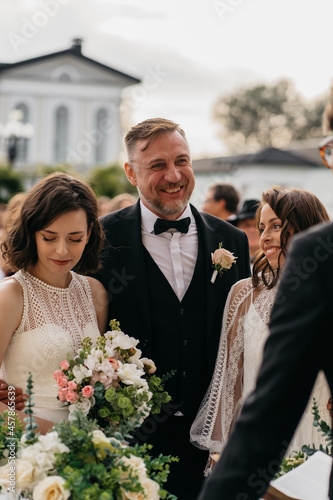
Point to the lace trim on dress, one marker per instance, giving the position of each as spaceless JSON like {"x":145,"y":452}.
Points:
{"x":203,"y":427}
{"x":224,"y":397}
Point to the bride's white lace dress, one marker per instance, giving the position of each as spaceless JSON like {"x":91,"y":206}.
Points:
{"x":244,"y":333}
{"x":54,"y":322}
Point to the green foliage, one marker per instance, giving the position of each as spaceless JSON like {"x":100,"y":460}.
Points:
{"x":31,"y":425}
{"x":11,"y":431}
{"x":268,"y":116}
{"x":96,"y":472}
{"x":110,"y":181}
{"x":65,"y":168}
{"x":156,"y":386}
{"x":10,"y":184}
{"x":289,"y":463}
{"x":158,"y":468}
{"x":87,"y":476}
{"x":325,"y":431}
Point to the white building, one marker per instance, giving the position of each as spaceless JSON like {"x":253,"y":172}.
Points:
{"x":298,"y":166}
{"x":72,"y":102}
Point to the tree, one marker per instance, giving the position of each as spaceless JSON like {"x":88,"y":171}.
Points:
{"x":10,"y":183}
{"x":268,"y":115}
{"x":110,"y":181}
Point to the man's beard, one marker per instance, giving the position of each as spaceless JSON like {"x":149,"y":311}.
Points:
{"x":166,"y":208}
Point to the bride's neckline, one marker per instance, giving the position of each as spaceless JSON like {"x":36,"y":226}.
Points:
{"x":47,"y":285}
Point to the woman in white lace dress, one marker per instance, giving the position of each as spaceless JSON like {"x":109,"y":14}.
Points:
{"x":282,"y":213}
{"x":46,"y":308}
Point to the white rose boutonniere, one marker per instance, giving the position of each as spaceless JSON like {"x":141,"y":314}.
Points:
{"x":222,"y":260}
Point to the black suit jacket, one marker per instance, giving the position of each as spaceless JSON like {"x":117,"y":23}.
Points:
{"x":300,"y":344}
{"x":123,"y":273}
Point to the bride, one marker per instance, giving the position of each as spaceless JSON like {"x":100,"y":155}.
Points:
{"x":46,"y":308}
{"x":282,"y":213}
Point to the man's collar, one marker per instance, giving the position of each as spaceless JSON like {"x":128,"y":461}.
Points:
{"x":148,"y":218}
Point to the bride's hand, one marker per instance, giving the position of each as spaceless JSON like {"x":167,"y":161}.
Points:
{"x":20,"y":398}
{"x":330,"y":406}
{"x":212,"y":460}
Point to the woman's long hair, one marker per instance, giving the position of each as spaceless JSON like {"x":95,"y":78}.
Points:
{"x":298,"y":210}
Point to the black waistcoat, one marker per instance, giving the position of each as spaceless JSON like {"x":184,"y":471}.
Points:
{"x":179,"y":334}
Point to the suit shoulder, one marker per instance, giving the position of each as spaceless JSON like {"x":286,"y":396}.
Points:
{"x":120,"y":215}
{"x":222,"y":225}
{"x":319,"y":234}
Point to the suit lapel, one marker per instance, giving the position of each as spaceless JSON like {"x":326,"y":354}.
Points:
{"x":133,"y":260}
{"x":210,"y":238}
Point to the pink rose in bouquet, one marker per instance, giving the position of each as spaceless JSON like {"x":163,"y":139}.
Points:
{"x":87,"y":391}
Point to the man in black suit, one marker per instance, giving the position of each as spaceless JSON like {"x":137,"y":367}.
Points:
{"x":160,"y":289}
{"x":300,"y":344}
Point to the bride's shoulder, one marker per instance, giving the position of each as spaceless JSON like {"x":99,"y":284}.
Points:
{"x":97,"y":289}
{"x":240,"y":291}
{"x":10,"y":292}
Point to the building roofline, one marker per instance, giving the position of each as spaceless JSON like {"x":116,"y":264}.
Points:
{"x":74,"y":50}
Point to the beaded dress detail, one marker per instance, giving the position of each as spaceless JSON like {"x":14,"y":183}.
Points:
{"x":54,"y":322}
{"x":244,"y":333}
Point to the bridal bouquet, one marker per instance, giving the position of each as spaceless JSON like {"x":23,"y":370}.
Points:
{"x":110,"y":381}
{"x":77,"y":461}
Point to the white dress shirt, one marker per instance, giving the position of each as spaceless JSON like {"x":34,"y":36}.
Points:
{"x":175,"y":253}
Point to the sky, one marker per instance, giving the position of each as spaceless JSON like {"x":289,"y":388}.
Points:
{"x":187,"y":53}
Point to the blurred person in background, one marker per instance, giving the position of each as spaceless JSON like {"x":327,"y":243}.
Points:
{"x":121,"y":201}
{"x":222,"y":201}
{"x":103,"y":204}
{"x":12,"y":211}
{"x":246,"y":221}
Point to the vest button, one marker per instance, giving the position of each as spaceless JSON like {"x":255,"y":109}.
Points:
{"x":184,"y":374}
{"x":181,"y":311}
{"x":184,"y":342}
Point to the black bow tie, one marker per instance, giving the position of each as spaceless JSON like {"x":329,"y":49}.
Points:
{"x":162,"y":225}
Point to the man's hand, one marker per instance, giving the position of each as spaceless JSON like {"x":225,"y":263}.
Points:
{"x":20,"y":398}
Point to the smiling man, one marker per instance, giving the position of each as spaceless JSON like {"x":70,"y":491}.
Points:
{"x":157,"y":270}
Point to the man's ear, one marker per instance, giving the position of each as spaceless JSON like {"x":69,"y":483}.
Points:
{"x":222,"y":204}
{"x":130,"y":174}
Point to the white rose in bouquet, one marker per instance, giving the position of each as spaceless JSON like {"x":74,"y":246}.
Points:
{"x":23,"y":474}
{"x":51,"y":488}
{"x":80,"y":372}
{"x":41,"y":455}
{"x":129,"y":374}
{"x":121,"y":340}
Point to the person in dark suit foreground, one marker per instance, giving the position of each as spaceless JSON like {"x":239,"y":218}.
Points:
{"x":160,"y":289}
{"x":300,"y":344}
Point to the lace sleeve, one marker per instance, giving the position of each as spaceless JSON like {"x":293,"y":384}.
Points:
{"x":211,"y":427}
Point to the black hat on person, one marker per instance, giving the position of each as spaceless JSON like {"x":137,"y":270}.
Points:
{"x":248,"y":210}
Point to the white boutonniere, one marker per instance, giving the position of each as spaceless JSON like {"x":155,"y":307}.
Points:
{"x":222,"y":260}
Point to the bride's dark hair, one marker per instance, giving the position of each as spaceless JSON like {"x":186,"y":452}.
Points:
{"x":53,"y":196}
{"x":298,"y":210}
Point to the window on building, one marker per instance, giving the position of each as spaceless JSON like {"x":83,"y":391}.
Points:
{"x":101,"y":138}
{"x":61,"y":134}
{"x":64,"y":77}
